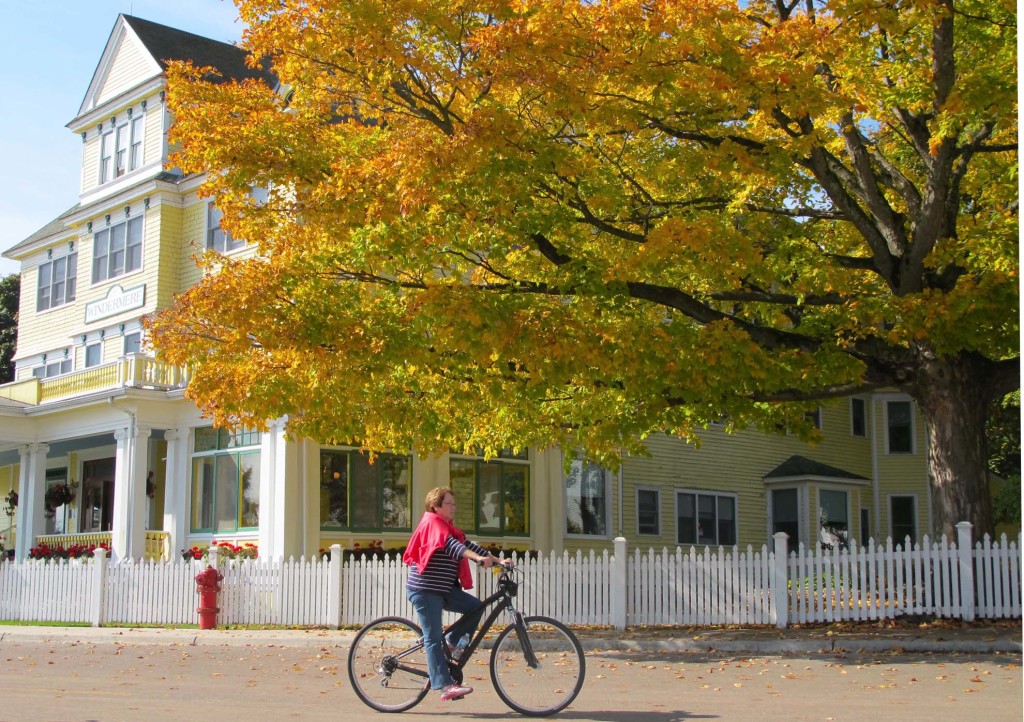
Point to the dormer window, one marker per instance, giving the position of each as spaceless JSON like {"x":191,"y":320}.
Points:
{"x":121,"y":146}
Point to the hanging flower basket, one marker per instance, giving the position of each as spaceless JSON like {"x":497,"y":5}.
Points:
{"x":56,"y":496}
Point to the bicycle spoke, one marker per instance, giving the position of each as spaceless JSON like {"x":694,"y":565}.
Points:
{"x":383,"y":672}
{"x":552,"y":682}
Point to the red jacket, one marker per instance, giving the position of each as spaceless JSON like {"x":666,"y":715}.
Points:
{"x":431,"y":535}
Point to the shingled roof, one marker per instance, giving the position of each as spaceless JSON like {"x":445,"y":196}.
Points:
{"x":166,"y":44}
{"x":797,"y":466}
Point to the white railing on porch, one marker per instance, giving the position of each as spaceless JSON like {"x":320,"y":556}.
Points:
{"x":680,"y":587}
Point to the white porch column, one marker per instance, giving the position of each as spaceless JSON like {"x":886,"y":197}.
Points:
{"x":176,"y":488}
{"x":282,"y":523}
{"x":128,"y":535}
{"x":31,"y":496}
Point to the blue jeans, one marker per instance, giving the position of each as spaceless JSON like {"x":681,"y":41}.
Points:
{"x":428,"y":606}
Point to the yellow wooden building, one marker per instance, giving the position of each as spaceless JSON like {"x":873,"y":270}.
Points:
{"x":94,"y":421}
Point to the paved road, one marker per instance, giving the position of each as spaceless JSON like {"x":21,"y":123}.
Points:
{"x":108,"y":680}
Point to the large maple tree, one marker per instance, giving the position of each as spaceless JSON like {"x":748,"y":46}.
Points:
{"x":506,"y":222}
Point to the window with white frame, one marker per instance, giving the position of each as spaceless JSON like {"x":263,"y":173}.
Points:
{"x":903,"y":518}
{"x":117,"y":250}
{"x":132,"y":342}
{"x":899,"y":421}
{"x":121,"y":146}
{"x":786,"y":514}
{"x":833,"y":518}
{"x":57,"y":282}
{"x":648,"y":511}
{"x":50,"y":368}
{"x":705,"y":518}
{"x":858,"y":417}
{"x":93,"y":354}
{"x":586,"y":499}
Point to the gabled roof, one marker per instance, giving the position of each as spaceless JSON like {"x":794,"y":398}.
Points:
{"x":160,"y":45}
{"x":53,"y":228}
{"x":801,"y":466}
{"x":166,"y":44}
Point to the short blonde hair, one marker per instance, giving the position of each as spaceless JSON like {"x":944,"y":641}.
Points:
{"x":435,"y":497}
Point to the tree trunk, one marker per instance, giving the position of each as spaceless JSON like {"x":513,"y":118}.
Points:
{"x":954,"y":395}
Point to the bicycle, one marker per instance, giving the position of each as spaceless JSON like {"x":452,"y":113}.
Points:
{"x":537,"y":665}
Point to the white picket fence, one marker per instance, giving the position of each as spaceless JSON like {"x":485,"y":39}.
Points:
{"x":671,"y":587}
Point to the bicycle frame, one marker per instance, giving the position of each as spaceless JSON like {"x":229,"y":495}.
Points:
{"x":502,"y":601}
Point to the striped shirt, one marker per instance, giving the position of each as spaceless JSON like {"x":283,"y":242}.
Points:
{"x":442,"y":572}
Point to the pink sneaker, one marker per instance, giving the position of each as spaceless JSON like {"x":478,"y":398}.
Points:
{"x":454,"y":691}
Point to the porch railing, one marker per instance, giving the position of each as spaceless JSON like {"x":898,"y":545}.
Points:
{"x":136,"y":371}
{"x":157,"y":542}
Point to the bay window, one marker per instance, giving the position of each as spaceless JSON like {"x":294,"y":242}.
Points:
{"x":833,"y":518}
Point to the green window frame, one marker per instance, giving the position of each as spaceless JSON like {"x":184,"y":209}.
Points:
{"x":494,"y":496}
{"x":357,"y":496}
{"x":225,"y":481}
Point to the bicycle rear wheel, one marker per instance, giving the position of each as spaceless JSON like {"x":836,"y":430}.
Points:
{"x":382,"y":670}
{"x":553,"y":682}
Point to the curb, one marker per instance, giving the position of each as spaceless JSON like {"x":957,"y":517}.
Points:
{"x":810,"y":646}
{"x":335,"y":638}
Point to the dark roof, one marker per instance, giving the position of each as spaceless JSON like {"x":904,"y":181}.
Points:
{"x":166,"y":44}
{"x":54,"y":227}
{"x":802,"y":466}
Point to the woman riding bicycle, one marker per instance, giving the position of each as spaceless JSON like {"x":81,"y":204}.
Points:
{"x":438,"y":556}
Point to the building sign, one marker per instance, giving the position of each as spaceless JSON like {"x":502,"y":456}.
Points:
{"x":117,"y":301}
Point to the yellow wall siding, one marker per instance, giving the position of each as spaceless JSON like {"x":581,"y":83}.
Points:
{"x":50,"y":330}
{"x":736,"y":464}
{"x":91,"y":160}
{"x":192,"y":242}
{"x":153,"y":138}
{"x":169,"y":256}
{"x":131,"y":66}
{"x":901,"y":474}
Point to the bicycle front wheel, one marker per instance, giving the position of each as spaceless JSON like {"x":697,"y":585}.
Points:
{"x":385,"y":673}
{"x":554,"y":679}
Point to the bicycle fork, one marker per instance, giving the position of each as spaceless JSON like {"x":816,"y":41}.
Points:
{"x":524,"y":639}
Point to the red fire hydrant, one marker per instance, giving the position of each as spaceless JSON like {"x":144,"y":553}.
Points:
{"x":207,"y":586}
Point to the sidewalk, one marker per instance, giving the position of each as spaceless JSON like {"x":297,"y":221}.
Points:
{"x":937,"y":636}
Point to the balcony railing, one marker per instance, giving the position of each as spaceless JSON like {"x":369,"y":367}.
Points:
{"x":135,"y":371}
{"x":156,"y":542}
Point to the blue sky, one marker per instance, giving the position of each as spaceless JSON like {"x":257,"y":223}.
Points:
{"x":50,"y":50}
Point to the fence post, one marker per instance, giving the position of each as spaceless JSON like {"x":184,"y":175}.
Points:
{"x":213,"y":556}
{"x":964,"y":553}
{"x":778,"y":582}
{"x":99,"y":584}
{"x":618,"y":583}
{"x":334,"y":589}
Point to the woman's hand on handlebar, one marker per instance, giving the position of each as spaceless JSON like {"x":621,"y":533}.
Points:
{"x":490,"y":560}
